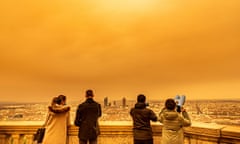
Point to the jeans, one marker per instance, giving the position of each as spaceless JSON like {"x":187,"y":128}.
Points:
{"x":90,"y":141}
{"x":150,"y":141}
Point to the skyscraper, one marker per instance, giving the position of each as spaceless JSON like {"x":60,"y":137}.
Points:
{"x":105,"y":101}
{"x":124,"y":102}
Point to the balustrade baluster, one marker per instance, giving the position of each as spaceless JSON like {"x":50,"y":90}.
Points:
{"x":28,"y":139}
{"x":15,"y":139}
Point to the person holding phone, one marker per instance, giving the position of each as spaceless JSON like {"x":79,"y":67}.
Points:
{"x":141,"y":115}
{"x":173,"y":123}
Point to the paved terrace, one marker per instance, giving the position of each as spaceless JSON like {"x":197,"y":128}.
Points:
{"x":120,"y":132}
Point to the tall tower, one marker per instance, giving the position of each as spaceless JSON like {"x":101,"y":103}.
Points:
{"x":124,"y":102}
{"x":105,"y":101}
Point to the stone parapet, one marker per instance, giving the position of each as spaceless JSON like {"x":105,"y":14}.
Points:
{"x":121,"y":133}
{"x":230,"y":135}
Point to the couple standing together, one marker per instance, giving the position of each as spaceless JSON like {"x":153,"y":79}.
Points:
{"x":58,"y":120}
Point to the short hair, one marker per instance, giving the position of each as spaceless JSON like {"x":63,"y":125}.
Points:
{"x":55,"y":100}
{"x":170,"y":104}
{"x":141,"y":98}
{"x":89,"y":93}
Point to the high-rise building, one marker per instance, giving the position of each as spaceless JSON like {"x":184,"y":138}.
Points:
{"x":105,"y":101}
{"x":114,"y":103}
{"x":124,"y":102}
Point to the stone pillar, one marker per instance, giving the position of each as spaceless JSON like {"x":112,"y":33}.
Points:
{"x":187,"y":140}
{"x":15,"y":139}
{"x":28,"y":139}
{"x":73,"y":140}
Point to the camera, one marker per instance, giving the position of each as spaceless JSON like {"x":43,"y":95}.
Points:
{"x":180,"y":100}
{"x":146,"y":104}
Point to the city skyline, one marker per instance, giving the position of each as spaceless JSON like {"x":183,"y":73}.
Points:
{"x":207,"y":111}
{"x":119,"y":49}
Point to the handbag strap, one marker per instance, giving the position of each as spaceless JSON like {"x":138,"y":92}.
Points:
{"x":47,"y":119}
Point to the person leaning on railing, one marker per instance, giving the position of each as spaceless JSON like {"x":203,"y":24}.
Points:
{"x":86,"y":119}
{"x":57,"y":121}
{"x":142,"y":116}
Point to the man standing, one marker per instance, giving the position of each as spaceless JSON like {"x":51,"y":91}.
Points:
{"x":142,"y":130}
{"x":87,"y":115}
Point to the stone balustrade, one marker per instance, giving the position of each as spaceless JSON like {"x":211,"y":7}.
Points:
{"x":121,"y":133}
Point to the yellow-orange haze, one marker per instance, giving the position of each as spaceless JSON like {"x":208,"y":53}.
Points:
{"x":119,"y":48}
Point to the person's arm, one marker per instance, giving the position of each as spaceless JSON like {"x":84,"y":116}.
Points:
{"x":153,"y":116}
{"x":131,"y":112}
{"x":68,"y":119}
{"x":77,"y":120}
{"x":186,"y":119}
{"x":99,"y":110}
{"x":160,"y":118}
{"x":46,"y":122}
{"x":59,"y":109}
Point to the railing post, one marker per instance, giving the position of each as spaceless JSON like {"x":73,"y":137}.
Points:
{"x":15,"y":139}
{"x":187,"y":139}
{"x":122,"y":134}
{"x":28,"y":139}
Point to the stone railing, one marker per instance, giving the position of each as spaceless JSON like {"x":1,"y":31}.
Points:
{"x":121,"y":133}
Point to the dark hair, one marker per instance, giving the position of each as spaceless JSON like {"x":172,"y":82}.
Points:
{"x":141,"y":98}
{"x":61,"y":98}
{"x":170,"y":104}
{"x":56,"y":100}
{"x":89,"y":93}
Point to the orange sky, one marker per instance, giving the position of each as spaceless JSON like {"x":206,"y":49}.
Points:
{"x":119,"y":48}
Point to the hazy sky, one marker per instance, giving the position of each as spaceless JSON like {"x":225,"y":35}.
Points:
{"x":119,"y":48}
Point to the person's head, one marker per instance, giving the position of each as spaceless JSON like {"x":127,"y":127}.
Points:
{"x":89,"y":93}
{"x":170,"y":104}
{"x":141,"y":98}
{"x":62,"y":99}
{"x":55,"y":101}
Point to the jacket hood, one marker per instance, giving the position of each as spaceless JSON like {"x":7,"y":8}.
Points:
{"x":140,"y":105}
{"x":89,"y":100}
{"x":59,"y":108}
{"x":170,"y":115}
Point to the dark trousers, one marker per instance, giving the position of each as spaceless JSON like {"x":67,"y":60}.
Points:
{"x":150,"y":141}
{"x":90,"y":141}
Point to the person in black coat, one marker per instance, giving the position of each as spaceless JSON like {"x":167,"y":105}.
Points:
{"x":141,"y":115}
{"x":87,"y":115}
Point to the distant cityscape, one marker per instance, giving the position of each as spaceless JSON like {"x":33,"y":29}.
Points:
{"x":224,"y":112}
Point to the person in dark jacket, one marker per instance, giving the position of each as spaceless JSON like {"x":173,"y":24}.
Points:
{"x":87,"y":115}
{"x":141,"y":115}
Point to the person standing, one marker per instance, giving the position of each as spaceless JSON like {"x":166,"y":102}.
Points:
{"x":173,"y":123}
{"x":57,"y":121}
{"x":86,"y":119}
{"x":141,"y":115}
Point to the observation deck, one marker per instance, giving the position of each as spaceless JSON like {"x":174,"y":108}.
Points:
{"x":120,"y":132}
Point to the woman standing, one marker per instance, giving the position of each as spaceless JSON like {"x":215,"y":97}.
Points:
{"x":58,"y":119}
{"x":173,"y":123}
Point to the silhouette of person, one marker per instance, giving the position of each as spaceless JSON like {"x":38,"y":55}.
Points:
{"x":141,"y":115}
{"x":57,"y":121}
{"x":86,"y":119}
{"x":173,"y":123}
